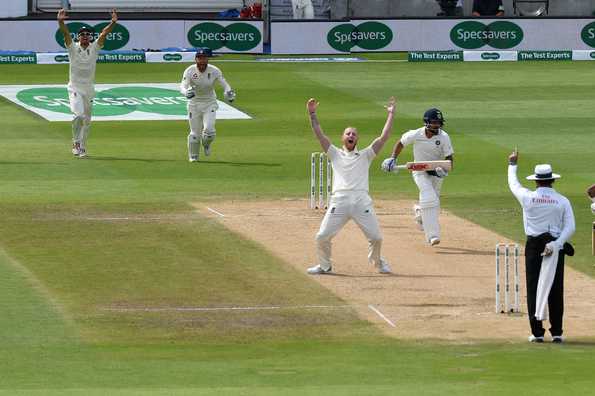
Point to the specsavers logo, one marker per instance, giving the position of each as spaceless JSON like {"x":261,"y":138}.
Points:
{"x":499,"y":34}
{"x":490,"y":56}
{"x":110,"y":102}
{"x":116,"y":39}
{"x":368,"y":36}
{"x":588,"y":34}
{"x":172,"y":57}
{"x":235,"y":36}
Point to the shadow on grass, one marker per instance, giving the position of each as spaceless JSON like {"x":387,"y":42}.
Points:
{"x":200,"y":163}
{"x":455,"y":250}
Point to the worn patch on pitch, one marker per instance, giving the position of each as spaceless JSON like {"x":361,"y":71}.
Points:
{"x":113,"y":102}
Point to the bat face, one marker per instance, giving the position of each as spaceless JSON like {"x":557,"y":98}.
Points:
{"x":429,"y":165}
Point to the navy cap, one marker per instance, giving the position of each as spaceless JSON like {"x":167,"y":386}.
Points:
{"x":203,"y":52}
{"x":86,"y":29}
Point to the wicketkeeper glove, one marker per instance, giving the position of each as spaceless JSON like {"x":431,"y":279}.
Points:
{"x":441,"y":172}
{"x":190,"y":94}
{"x":230,"y":95}
{"x":389,"y":165}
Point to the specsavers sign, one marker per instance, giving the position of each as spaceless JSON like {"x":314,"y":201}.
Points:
{"x":128,"y":35}
{"x":112,"y":102}
{"x":304,"y":37}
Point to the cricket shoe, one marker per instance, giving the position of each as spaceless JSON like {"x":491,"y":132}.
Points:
{"x":558,"y":339}
{"x":318,"y":270}
{"x":82,"y":153}
{"x":383,"y":267}
{"x":538,"y":340}
{"x":417,"y":217}
{"x":434,"y":241}
{"x":193,"y":158}
{"x":76,"y":149}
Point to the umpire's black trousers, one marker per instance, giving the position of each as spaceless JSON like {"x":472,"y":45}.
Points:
{"x":533,"y":250}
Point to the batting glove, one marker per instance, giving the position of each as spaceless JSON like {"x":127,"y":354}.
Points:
{"x":230,"y":95}
{"x":190,"y":94}
{"x":389,"y":165}
{"x":441,"y":172}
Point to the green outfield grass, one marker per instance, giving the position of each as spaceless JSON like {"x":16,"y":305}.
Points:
{"x":86,"y":245}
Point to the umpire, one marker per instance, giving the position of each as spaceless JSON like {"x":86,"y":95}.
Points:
{"x":549,"y":223}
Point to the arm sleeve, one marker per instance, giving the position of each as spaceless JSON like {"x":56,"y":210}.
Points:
{"x":369,"y":153}
{"x":513,"y":183}
{"x":408,"y":138}
{"x":447,"y":147}
{"x":223,"y":82}
{"x":332,"y":151}
{"x":185,"y":84}
{"x":569,"y":226}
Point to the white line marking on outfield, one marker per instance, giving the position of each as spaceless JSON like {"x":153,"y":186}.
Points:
{"x":214,"y":211}
{"x":387,"y":320}
{"x":207,"y":309}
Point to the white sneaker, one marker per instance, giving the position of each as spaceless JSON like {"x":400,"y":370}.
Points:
{"x":532,"y":338}
{"x":193,"y":158}
{"x":434,"y":241}
{"x":82,"y":153}
{"x":383,"y":267}
{"x":207,"y":150}
{"x":318,"y":270}
{"x":417,"y":217}
{"x":76,"y":148}
{"x":557,"y":339}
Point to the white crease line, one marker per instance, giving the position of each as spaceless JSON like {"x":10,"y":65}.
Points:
{"x":214,"y":211}
{"x":387,"y":320}
{"x":207,"y":309}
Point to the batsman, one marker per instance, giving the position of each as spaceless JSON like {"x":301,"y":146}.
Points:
{"x":430,"y":143}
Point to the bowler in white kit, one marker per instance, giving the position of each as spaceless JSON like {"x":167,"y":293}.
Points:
{"x":430,"y":143}
{"x":82,"y":56}
{"x":350,"y":198}
{"x":197,"y":85}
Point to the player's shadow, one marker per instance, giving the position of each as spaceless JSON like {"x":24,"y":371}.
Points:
{"x":343,"y":275}
{"x":233,"y":163}
{"x":95,"y":158}
{"x":463,"y":251}
{"x":203,"y":163}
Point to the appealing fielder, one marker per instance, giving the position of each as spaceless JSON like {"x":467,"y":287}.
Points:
{"x":82,"y":56}
{"x":197,"y":85}
{"x":350,"y":198}
{"x":430,"y":143}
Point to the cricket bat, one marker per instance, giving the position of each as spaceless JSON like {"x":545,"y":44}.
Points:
{"x":426,"y":165}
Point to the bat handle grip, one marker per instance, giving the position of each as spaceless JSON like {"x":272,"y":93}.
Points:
{"x":401,"y":166}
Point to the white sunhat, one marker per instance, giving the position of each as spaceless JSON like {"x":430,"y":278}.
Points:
{"x":543,"y":172}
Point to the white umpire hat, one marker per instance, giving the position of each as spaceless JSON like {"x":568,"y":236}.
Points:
{"x":543,"y":172}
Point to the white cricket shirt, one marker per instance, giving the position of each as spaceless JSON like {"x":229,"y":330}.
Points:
{"x":435,"y":148}
{"x":203,"y":83}
{"x":544,"y":210}
{"x":350,"y":168}
{"x":82,"y":65}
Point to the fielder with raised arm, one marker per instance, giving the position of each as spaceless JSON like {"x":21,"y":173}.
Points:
{"x":82,"y":56}
{"x":198,"y":86}
{"x":430,"y":143}
{"x":350,"y":198}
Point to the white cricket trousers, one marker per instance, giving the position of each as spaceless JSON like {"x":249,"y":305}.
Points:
{"x":81,"y":106}
{"x":343,"y":206}
{"x":201,"y":118}
{"x":429,"y":202}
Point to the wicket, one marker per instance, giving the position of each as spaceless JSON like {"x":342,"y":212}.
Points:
{"x":321,"y":187}
{"x":508,"y":249}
